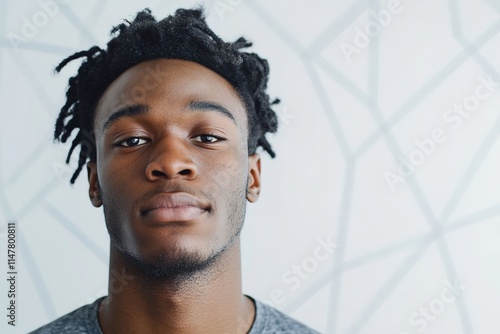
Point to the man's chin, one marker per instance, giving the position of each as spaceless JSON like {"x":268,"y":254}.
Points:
{"x":170,"y":266}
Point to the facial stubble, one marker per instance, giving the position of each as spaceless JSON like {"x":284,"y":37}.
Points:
{"x":178,"y":264}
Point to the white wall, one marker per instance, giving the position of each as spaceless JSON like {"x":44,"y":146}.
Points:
{"x":353,"y":107}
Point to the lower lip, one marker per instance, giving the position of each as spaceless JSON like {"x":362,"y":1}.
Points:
{"x":178,"y":214}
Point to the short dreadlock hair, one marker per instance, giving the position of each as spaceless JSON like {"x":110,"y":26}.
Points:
{"x":184,"y":35}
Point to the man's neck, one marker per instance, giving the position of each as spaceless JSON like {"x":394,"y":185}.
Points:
{"x":207,"y":302}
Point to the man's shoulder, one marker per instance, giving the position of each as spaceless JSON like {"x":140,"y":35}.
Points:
{"x":80,"y":321}
{"x":269,"y":320}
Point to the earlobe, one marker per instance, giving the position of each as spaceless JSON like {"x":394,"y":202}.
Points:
{"x":94,"y":189}
{"x":253,"y":186}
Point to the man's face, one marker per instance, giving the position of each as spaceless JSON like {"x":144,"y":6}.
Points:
{"x":173,"y":171}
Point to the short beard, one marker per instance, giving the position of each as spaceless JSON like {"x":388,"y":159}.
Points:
{"x":175,"y":267}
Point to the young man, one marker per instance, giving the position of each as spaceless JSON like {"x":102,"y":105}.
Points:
{"x":169,"y":118}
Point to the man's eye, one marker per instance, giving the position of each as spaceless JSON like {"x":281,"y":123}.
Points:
{"x":207,"y":139}
{"x":131,"y":142}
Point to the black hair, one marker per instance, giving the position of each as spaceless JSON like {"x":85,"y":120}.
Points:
{"x":184,"y":35}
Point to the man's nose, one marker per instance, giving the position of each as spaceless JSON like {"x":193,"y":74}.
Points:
{"x":171,"y":158}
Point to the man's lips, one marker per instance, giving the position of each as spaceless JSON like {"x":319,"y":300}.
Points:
{"x":173,"y":207}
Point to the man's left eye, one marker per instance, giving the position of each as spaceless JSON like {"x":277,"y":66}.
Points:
{"x":133,"y":141}
{"x":207,"y":139}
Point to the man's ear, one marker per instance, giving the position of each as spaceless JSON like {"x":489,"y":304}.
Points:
{"x":253,"y":185}
{"x":94,"y":191}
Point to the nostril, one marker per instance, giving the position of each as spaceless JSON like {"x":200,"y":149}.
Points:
{"x":185,"y":172}
{"x":158,"y":173}
{"x":170,"y":169}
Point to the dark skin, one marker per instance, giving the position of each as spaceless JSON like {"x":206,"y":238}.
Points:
{"x":173,"y":175}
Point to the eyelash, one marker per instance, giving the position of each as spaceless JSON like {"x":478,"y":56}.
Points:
{"x":218,"y":139}
{"x":121,"y":143}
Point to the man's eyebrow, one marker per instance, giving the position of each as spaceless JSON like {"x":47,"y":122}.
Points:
{"x":205,"y":105}
{"x":137,"y":109}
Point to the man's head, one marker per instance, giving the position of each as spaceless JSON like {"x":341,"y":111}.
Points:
{"x":184,"y":35}
{"x":169,"y":119}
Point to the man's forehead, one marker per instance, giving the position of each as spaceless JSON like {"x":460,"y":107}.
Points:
{"x":168,"y":78}
{"x":146,"y":76}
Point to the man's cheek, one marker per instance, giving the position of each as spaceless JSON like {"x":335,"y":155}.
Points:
{"x":227,"y":174}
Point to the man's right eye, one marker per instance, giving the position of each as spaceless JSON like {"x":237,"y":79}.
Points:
{"x":131,"y":142}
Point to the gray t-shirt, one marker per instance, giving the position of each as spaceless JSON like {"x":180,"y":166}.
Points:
{"x":268,"y":320}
